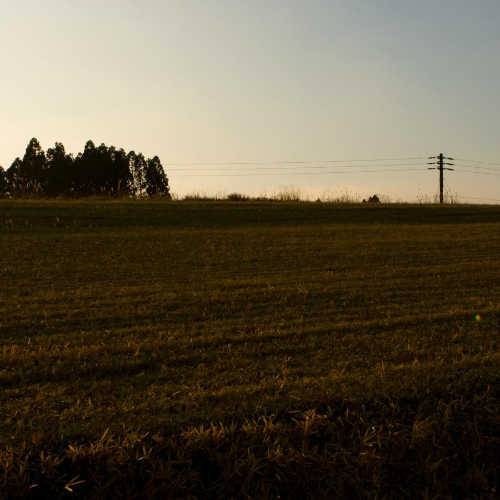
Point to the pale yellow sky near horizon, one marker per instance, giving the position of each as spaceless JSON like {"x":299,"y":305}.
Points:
{"x":228,"y":81}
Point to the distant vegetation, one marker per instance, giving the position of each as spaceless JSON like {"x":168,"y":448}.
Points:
{"x":102,"y":170}
{"x":290,"y":194}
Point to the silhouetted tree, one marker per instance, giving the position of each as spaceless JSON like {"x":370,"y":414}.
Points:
{"x":101,"y":170}
{"x":29,"y":175}
{"x":35,"y":168}
{"x":122,"y":176}
{"x":139,"y":175}
{"x":59,"y":171}
{"x":13,"y":175}
{"x":3,"y":182}
{"x":131,"y":157}
{"x":85,"y":170}
{"x":156,"y":180}
{"x":104,"y":169}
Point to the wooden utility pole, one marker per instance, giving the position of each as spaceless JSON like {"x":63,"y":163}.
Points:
{"x":441,"y":167}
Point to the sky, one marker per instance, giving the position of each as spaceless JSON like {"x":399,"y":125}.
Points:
{"x":210,"y":85}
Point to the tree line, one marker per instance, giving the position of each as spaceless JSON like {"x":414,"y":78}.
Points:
{"x":102,"y":170}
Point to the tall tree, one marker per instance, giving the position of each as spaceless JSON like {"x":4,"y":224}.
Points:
{"x":139,"y":175}
{"x":131,"y":157}
{"x":103,"y":169}
{"x":84,"y":170}
{"x":59,"y":171}
{"x":122,"y":175}
{"x":97,"y":170}
{"x":14,"y":177}
{"x":34,"y":169}
{"x":3,"y":182}
{"x":156,"y":180}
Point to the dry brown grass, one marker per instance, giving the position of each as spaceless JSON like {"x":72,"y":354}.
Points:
{"x":154,"y":349}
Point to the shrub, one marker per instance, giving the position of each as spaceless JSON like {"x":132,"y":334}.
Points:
{"x":237,"y":197}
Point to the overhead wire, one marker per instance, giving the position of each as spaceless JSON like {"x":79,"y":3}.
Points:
{"x":322,"y":167}
{"x":478,"y":161}
{"x":293,"y":167}
{"x":290,"y":162}
{"x":461,"y":170}
{"x":329,"y":172}
{"x":479,"y":168}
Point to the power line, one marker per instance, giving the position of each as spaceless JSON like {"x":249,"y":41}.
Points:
{"x":285,"y":164}
{"x":440,"y":165}
{"x":339,"y":172}
{"x":290,"y":162}
{"x":293,"y":167}
{"x":479,"y":161}
{"x":476,"y":167}
{"x":461,"y":170}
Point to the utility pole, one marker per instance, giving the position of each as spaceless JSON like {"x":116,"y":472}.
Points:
{"x":441,"y":167}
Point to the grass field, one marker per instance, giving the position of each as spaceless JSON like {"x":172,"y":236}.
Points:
{"x":244,"y":350}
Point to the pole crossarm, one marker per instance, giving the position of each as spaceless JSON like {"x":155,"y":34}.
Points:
{"x":440,"y":165}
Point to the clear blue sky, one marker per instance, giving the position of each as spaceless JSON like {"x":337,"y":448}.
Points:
{"x":220,"y":81}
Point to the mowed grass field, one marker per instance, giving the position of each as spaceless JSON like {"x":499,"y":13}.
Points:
{"x":248,"y":350}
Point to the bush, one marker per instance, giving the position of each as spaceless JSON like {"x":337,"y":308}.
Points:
{"x":237,"y":197}
{"x":373,"y":199}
